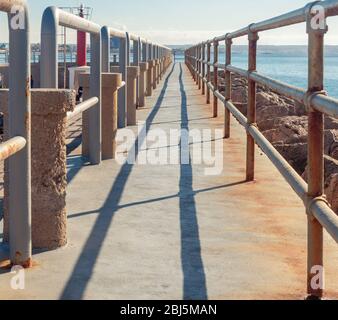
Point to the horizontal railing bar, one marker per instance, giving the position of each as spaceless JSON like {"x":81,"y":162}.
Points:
{"x":241,"y":72}
{"x":210,"y":86}
{"x":320,"y":102}
{"x":220,"y":66}
{"x":72,"y":21}
{"x":236,"y":113}
{"x":7,"y":5}
{"x":80,"y":108}
{"x":291,"y":176}
{"x":284,"y":20}
{"x":326,"y":217}
{"x":11,"y":147}
{"x":324,"y":104}
{"x":279,"y":87}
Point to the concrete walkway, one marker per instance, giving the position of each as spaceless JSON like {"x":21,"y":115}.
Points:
{"x":172,"y":232}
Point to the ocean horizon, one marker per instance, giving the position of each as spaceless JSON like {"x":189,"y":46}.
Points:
{"x":288,"y":64}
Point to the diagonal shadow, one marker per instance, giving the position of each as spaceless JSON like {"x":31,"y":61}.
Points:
{"x":194,"y":286}
{"x":159,"y":199}
{"x":82,"y":272}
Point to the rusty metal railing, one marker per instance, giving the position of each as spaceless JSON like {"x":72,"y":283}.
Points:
{"x":314,"y":98}
{"x":17,"y":148}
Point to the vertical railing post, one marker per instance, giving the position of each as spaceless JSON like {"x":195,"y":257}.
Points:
{"x":94,"y":114}
{"x":136,"y":63}
{"x":251,"y":112}
{"x":199,"y":66}
{"x":228,"y":86}
{"x":208,"y":71}
{"x":203,"y":68}
{"x":315,"y":154}
{"x":19,"y":165}
{"x":105,"y":36}
{"x":215,"y":105}
{"x":122,"y":98}
{"x":196,"y":64}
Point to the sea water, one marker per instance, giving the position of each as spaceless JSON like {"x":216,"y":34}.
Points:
{"x":291,"y":69}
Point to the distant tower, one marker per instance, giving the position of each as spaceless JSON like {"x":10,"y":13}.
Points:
{"x":81,"y":43}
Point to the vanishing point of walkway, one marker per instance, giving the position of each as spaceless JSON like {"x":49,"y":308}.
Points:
{"x":171,"y":232}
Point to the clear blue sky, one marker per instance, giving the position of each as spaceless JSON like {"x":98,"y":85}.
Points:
{"x":182,"y":21}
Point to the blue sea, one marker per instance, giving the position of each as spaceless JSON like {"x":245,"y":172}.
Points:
{"x":292,"y":69}
{"x":285,"y":63}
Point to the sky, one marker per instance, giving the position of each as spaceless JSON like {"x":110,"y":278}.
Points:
{"x":182,"y":21}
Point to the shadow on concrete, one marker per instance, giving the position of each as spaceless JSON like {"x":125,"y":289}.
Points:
{"x":82,"y":272}
{"x":74,"y":144}
{"x":164,"y":198}
{"x":194,"y":281}
{"x":74,"y":165}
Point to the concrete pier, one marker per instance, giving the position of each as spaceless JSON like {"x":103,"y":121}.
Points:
{"x":170,"y":231}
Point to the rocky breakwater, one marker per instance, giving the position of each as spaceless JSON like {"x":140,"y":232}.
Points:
{"x":284,"y":123}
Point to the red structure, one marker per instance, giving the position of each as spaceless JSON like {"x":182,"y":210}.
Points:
{"x":81,"y":43}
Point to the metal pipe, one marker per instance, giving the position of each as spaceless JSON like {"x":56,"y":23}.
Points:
{"x":52,"y":18}
{"x":11,"y":147}
{"x":327,"y":217}
{"x":284,"y":89}
{"x":215,"y":105}
{"x":315,"y":151}
{"x":208,"y":71}
{"x":19,"y":165}
{"x":228,"y":87}
{"x":122,"y":95}
{"x":203,"y":68}
{"x":82,"y":107}
{"x":251,"y":113}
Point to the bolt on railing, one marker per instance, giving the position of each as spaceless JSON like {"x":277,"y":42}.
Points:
{"x":314,"y":98}
{"x":17,"y":148}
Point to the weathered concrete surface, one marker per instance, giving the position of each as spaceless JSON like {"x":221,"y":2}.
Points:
{"x":170,"y":232}
{"x":132,"y":74}
{"x":49,"y":172}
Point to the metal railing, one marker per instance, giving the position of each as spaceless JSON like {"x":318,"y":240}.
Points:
{"x":314,"y":98}
{"x":140,"y":52}
{"x":17,"y":148}
{"x":52,"y":18}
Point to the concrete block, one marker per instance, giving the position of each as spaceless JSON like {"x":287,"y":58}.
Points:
{"x":111,"y":83}
{"x":133,"y":73}
{"x":49,"y":171}
{"x":142,"y":83}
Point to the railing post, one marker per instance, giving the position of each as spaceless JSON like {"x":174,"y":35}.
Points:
{"x":251,"y":113}
{"x":122,"y":95}
{"x":208,"y":71}
{"x":155,"y":67}
{"x":19,"y":165}
{"x":228,"y":86}
{"x":196,"y":64}
{"x":315,"y":155}
{"x":215,"y":105}
{"x":203,"y":68}
{"x":199,"y":66}
{"x":150,"y":71}
{"x":94,"y":114}
{"x":136,"y":63}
